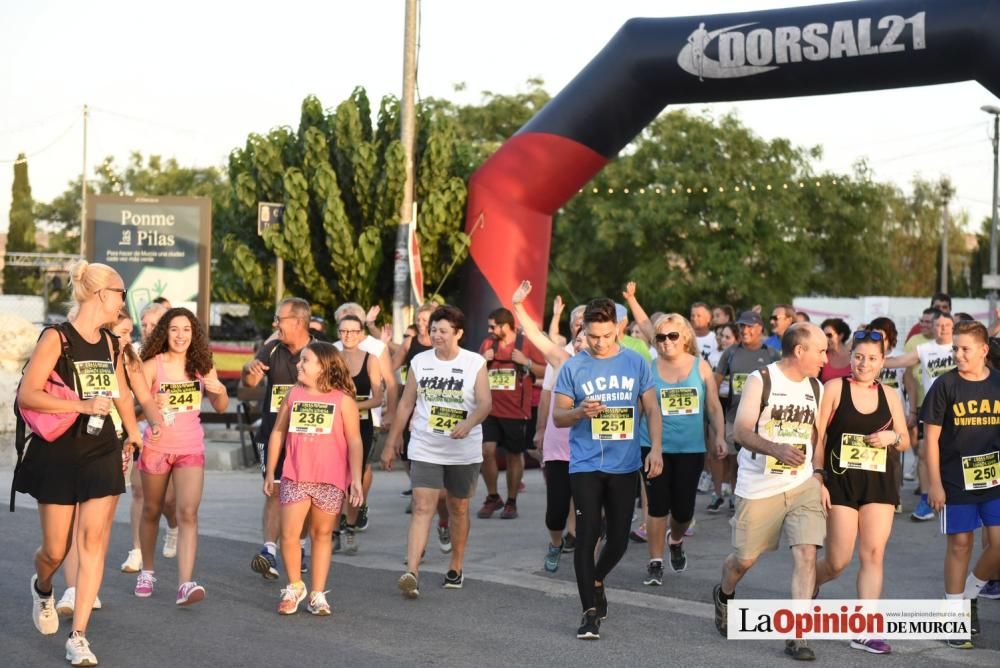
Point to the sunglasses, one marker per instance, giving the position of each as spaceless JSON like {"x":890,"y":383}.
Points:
{"x":870,"y":336}
{"x":121,"y":290}
{"x":673,"y":336}
{"x":344,"y":332}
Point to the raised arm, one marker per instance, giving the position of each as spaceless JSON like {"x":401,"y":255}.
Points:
{"x":553,"y":353}
{"x":557,"y":309}
{"x":638,"y":313}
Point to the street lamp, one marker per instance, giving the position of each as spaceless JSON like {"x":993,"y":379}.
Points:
{"x":995,"y":111}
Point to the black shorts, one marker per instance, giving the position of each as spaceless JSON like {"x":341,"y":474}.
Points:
{"x":673,"y":492}
{"x":853,"y":489}
{"x":56,"y":473}
{"x":508,"y":433}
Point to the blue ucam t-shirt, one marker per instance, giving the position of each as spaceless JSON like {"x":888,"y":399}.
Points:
{"x":608,"y":442}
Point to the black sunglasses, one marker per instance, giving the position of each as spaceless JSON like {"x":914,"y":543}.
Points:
{"x":673,"y":336}
{"x":861,"y":335}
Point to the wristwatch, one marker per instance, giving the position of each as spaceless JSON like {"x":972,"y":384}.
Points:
{"x":899,"y":439}
{"x":822,"y":474}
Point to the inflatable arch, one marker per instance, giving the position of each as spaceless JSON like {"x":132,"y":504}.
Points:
{"x":651,"y":63}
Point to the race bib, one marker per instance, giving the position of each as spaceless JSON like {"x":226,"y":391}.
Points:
{"x":363,"y":413}
{"x":502,"y":380}
{"x":774,"y":467}
{"x":739,"y":380}
{"x":856,"y":454}
{"x":312,"y":417}
{"x":613,"y":424}
{"x":278,"y":393}
{"x":443,"y":419}
{"x":98,"y":379}
{"x":981,"y":471}
{"x":182,"y":397}
{"x":680,"y":401}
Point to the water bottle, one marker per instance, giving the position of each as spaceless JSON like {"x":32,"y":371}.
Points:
{"x":168,"y":414}
{"x":95,"y":424}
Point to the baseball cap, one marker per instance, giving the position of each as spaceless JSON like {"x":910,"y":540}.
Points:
{"x":620,"y":313}
{"x":750,"y":318}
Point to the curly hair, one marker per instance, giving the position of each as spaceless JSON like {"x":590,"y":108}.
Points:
{"x":199,"y":357}
{"x":335,"y":374}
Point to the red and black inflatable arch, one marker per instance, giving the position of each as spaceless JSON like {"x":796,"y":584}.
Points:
{"x":650,"y":63}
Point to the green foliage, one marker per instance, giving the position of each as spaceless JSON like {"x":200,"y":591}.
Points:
{"x":21,"y":233}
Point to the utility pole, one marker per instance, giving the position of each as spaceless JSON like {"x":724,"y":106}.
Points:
{"x":83,"y":190}
{"x":995,"y":111}
{"x":944,"y":240}
{"x":401,"y":271}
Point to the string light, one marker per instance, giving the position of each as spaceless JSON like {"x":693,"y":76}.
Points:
{"x":705,"y":189}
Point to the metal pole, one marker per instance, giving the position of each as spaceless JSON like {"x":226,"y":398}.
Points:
{"x":993,"y":227}
{"x":944,"y":246}
{"x":83,"y":190}
{"x":279,"y":281}
{"x":401,"y":270}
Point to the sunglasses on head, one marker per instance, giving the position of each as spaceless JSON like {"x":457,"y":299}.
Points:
{"x":862,"y":335}
{"x":673,"y":336}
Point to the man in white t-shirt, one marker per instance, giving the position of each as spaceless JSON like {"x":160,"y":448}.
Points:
{"x":777,"y":489}
{"x":701,"y":321}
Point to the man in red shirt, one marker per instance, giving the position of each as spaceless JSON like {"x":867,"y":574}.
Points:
{"x":511,"y":374}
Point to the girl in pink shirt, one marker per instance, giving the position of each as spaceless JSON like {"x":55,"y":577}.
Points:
{"x":319,"y":425}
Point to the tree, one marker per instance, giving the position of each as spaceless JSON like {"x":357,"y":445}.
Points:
{"x":341,"y":181}
{"x":21,"y":232}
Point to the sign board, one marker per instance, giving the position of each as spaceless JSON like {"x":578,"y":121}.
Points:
{"x":161,"y":246}
{"x":268,"y":214}
{"x":991,"y":281}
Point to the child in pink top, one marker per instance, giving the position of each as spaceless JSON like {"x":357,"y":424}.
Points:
{"x":320,"y":426}
{"x":177,"y":365}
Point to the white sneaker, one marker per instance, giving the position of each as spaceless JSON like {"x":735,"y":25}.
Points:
{"x":705,"y":482}
{"x":68,"y":601}
{"x":170,"y":543}
{"x":78,"y":651}
{"x":133,"y":562}
{"x":43,"y":611}
{"x":727,"y":489}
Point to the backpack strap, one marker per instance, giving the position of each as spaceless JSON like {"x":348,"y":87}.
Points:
{"x":765,"y":394}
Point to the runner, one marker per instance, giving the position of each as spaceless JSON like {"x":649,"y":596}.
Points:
{"x":782,"y":317}
{"x":319,"y":433}
{"x":448,"y":395}
{"x":599,"y":393}
{"x":723,"y":314}
{"x":735,"y":365}
{"x":913,"y":383}
{"x":83,"y":468}
{"x":705,"y":339}
{"x":862,"y":427}
{"x":776,"y":490}
{"x":177,"y":365}
{"x":275,"y":364}
{"x":838,"y":336}
{"x":366,"y":374}
{"x":962,"y":415}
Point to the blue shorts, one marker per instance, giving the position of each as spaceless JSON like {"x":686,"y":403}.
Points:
{"x":966,"y":517}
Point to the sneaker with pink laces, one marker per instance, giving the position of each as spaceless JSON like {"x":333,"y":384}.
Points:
{"x":190,"y":592}
{"x":144,"y":584}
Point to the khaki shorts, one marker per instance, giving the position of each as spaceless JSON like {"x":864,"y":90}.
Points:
{"x":758,"y":523}
{"x":730,"y":440}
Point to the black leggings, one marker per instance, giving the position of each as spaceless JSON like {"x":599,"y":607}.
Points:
{"x":557,"y":494}
{"x":614,"y":493}
{"x":674,"y":491}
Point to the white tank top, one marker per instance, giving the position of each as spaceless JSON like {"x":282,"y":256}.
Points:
{"x":788,"y":417}
{"x":446,"y":395}
{"x":936,"y":359}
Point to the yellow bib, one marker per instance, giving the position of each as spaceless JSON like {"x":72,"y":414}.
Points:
{"x":312,"y":417}
{"x":613,"y":424}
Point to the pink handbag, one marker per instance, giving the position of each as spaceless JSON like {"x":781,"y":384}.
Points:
{"x":50,"y":426}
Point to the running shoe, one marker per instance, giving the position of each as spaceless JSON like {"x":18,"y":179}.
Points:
{"x":726,"y":489}
{"x":957,"y":643}
{"x":601,"y":602}
{"x":78,"y":651}
{"x":705,"y":483}
{"x":362,"y":524}
{"x":568,"y":543}
{"x":318,"y":604}
{"x":590,"y":626}
{"x":406,"y":558}
{"x":97,"y":603}
{"x":409,"y":508}
{"x":291,"y":596}
{"x":67,"y":602}
{"x":923,"y":511}
{"x":406,"y":492}
{"x":552,"y":558}
{"x":144,"y":584}
{"x":509,"y":511}
{"x":303,"y":562}
{"x":521,"y":487}
{"x":133,"y":562}
{"x":911,"y":472}
{"x":990,"y":590}
{"x":43,"y":610}
{"x":336,"y":541}
{"x":974,"y":606}
{"x":444,"y":538}
{"x":721,"y":611}
{"x":799,"y":650}
{"x":732,"y":506}
{"x":638,"y":535}
{"x":189,"y":593}
{"x":454,"y":580}
{"x":350,"y":542}
{"x":492,"y":504}
{"x":690,"y":530}
{"x":715,"y":503}
{"x":408,"y":585}
{"x":678,"y":560}
{"x":873,"y":645}
{"x":265,"y":563}
{"x":169,"y":543}
{"x":654,"y":573}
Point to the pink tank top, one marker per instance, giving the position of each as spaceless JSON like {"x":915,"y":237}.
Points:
{"x":555,"y":440}
{"x":185,"y":436}
{"x":316,"y":444}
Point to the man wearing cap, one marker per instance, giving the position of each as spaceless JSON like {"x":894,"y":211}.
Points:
{"x":630,"y":342}
{"x":736,"y":364}
{"x":782,"y":318}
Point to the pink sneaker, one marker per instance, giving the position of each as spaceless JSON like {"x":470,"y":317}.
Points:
{"x":190,"y":592}
{"x":144,"y":584}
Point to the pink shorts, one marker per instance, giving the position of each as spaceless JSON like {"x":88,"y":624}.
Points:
{"x":328,"y":498}
{"x":155,"y":462}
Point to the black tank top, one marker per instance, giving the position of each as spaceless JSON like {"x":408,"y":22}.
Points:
{"x":415,"y":349}
{"x":847,"y":420}
{"x":83,"y":352}
{"x":363,"y":387}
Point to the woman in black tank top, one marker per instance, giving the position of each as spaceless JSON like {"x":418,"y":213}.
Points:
{"x":862,"y":431}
